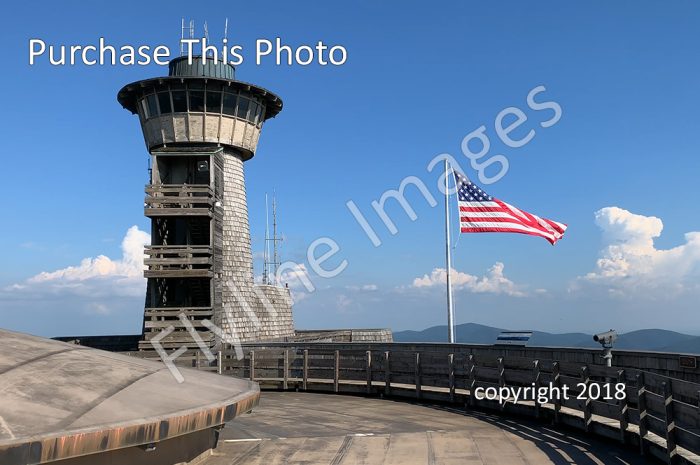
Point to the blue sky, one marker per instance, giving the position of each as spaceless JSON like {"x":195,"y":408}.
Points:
{"x":420,"y":76}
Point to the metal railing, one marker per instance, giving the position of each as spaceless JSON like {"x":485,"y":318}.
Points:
{"x":658,"y":414}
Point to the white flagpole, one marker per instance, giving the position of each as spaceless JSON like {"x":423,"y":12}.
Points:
{"x":450,"y":309}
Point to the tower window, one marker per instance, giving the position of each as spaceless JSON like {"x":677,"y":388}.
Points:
{"x":196,"y":100}
{"x":152,"y":106}
{"x":230,"y":104}
{"x":213,"y":101}
{"x":261,"y":114}
{"x":164,"y":102}
{"x":144,"y":109}
{"x":253,"y":112}
{"x":243,"y":108}
{"x":179,"y":101}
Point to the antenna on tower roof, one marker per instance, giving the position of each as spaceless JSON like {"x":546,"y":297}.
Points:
{"x":206,"y":31}
{"x":226,"y":30}
{"x":190,"y":31}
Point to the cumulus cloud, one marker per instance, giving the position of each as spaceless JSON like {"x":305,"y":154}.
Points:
{"x":494,"y":281}
{"x":296,"y":277}
{"x":95,"y":277}
{"x":630,"y":260}
{"x":130,"y":265}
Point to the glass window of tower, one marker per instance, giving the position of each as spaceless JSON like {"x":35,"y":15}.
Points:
{"x":196,"y":100}
{"x":261,"y":114}
{"x":144,"y":109}
{"x":152,"y":106}
{"x":229,"y":104}
{"x":164,"y":102}
{"x":253,"y":112}
{"x":213,"y":101}
{"x":243,"y":108}
{"x":179,"y":101}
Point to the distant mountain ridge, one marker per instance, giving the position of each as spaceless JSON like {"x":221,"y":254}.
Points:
{"x":660,"y":340}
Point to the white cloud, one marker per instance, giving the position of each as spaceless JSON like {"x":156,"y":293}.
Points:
{"x":630,"y":260}
{"x":343,"y":302}
{"x":97,"y":308}
{"x":295,"y":275}
{"x":98,"y":276}
{"x":297,"y":278}
{"x":493,"y":282}
{"x":364,"y":287}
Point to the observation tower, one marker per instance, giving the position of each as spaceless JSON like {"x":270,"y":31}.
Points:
{"x":200,"y":125}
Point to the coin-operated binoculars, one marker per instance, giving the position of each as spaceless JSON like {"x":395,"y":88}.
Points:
{"x":606,"y":340}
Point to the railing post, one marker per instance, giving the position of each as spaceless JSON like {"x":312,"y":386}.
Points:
{"x":368,"y":361}
{"x":556,"y":382}
{"x":624,"y":407}
{"x":670,"y":424}
{"x":472,"y":380}
{"x":219,"y":363}
{"x":502,"y":378}
{"x":536,"y":383}
{"x":642,"y":405}
{"x":305,"y":370}
{"x":252,"y":365}
{"x":336,"y":371}
{"x":285,"y":370}
{"x":586,"y":380}
{"x":417,"y":375}
{"x":451,"y":368}
{"x":387,"y":372}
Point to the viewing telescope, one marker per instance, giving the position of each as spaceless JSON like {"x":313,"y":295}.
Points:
{"x":606,"y":339}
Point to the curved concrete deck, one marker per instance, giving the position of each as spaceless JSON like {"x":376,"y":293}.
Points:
{"x":304,"y":428}
{"x":64,"y":401}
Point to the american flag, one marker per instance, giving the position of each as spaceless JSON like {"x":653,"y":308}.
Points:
{"x":479,"y":212}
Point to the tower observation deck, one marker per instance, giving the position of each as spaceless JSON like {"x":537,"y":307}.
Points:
{"x":199,"y":125}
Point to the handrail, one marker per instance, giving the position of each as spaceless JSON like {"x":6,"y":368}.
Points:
{"x":185,"y":247}
{"x":660,"y":415}
{"x":179,"y":195}
{"x":187,"y":188}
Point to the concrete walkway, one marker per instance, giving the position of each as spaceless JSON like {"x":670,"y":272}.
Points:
{"x":303,"y":428}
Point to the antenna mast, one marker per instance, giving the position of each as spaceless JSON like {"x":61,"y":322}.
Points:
{"x":275,"y":239}
{"x":271,"y":263}
{"x":266,"y":249}
{"x":189,"y":29}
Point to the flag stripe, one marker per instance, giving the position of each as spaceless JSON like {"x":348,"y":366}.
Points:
{"x":509,"y":225}
{"x":463,"y":205}
{"x":481,"y":214}
{"x":510,"y":230}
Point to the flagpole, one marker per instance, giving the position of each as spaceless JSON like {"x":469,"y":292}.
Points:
{"x":448,"y":259}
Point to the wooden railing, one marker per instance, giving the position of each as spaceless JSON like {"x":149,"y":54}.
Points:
{"x":657,"y":414}
{"x":169,"y":198}
{"x":174,"y":260}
